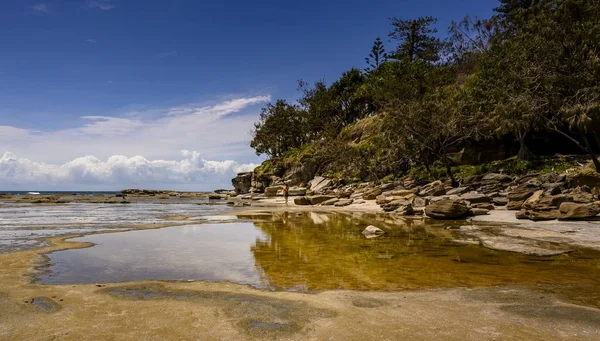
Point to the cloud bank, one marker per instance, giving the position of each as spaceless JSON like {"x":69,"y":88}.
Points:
{"x":118,"y":172}
{"x":144,"y":148}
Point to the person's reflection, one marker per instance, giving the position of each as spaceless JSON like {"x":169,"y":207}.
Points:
{"x":285,"y":218}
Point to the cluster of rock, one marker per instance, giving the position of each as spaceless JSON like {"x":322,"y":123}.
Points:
{"x":535,"y":196}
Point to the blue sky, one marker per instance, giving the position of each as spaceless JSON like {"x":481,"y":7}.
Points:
{"x":152,"y":78}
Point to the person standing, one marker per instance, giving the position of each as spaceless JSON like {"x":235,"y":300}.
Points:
{"x":286,"y":191}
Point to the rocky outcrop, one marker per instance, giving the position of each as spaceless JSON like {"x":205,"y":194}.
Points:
{"x":372,"y":194}
{"x":242,"y":183}
{"x":447,"y":209}
{"x":402,"y":205}
{"x":319,"y":184}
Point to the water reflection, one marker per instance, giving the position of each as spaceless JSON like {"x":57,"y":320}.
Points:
{"x":313,"y":251}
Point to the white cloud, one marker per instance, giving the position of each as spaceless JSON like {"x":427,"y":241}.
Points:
{"x":104,"y":5}
{"x":41,"y":8}
{"x":157,"y":134}
{"x":118,"y":172}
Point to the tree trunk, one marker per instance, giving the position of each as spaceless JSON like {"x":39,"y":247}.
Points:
{"x":523,"y":149}
{"x":587,"y":148}
{"x":591,"y":152}
{"x":451,"y":175}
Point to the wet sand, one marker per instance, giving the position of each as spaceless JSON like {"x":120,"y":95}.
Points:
{"x":155,"y":310}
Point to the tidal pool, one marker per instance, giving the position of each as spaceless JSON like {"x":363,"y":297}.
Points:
{"x":311,"y":252}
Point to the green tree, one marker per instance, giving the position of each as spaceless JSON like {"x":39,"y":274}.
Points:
{"x":281,"y":127}
{"x":416,"y":39}
{"x":377,"y":56}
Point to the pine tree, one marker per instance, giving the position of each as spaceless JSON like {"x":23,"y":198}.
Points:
{"x":377,"y":56}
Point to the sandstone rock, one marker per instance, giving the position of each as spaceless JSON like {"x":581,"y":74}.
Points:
{"x":301,"y":201}
{"x":272,"y":191}
{"x":582,"y":197}
{"x":359,"y":201}
{"x":318,"y":184}
{"x":418,"y":202}
{"x":297,"y":191}
{"x":343,"y":203}
{"x":533,"y":200}
{"x":319,"y":199}
{"x":484,"y":206}
{"x":475,"y":198}
{"x":404,"y":192}
{"x":395,"y":205}
{"x":242,"y":183}
{"x":573,"y":211}
{"x":330,"y":202}
{"x":515,"y":205}
{"x":435,"y":189}
{"x":458,"y":191}
{"x":520,"y":194}
{"x":497,"y":177}
{"x":479,"y":211}
{"x":501,"y":201}
{"x":538,"y":215}
{"x":447,"y":209}
{"x":382,"y":200}
{"x":553,"y":188}
{"x":373,"y":232}
{"x":372,"y":194}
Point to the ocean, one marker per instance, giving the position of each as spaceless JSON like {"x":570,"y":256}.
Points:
{"x":61,"y":192}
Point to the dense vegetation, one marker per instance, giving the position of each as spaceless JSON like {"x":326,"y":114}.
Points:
{"x":532,"y":68}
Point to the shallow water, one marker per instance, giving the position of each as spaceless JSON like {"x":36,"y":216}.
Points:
{"x":311,"y":252}
{"x":22,"y":225}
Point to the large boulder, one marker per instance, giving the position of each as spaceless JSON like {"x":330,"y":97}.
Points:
{"x":301,"y":201}
{"x":373,"y":232}
{"x":242,"y":183}
{"x":319,"y":199}
{"x":574,"y":211}
{"x":447,"y":209}
{"x":297,"y":191}
{"x":272,"y":191}
{"x":319,"y":184}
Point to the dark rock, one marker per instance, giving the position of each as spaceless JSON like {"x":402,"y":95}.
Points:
{"x":521,"y":194}
{"x":301,"y":201}
{"x":447,"y":209}
{"x":297,"y":191}
{"x":497,"y":177}
{"x":435,"y":189}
